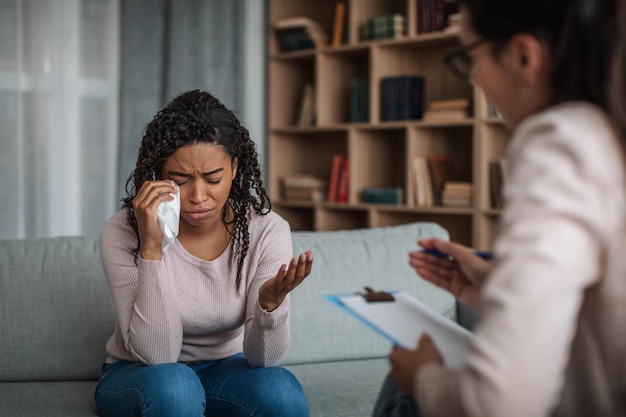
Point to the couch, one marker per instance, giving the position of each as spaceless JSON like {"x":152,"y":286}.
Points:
{"x":56,"y":315}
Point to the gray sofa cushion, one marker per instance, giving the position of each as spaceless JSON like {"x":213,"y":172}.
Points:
{"x":47,"y":399}
{"x":342,"y":389}
{"x":56,"y":309}
{"x":345,"y":262}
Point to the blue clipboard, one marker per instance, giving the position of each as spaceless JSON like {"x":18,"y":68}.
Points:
{"x":335,"y":299}
{"x":404,"y":320}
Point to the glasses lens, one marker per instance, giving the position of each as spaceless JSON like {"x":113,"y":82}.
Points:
{"x":459,"y":62}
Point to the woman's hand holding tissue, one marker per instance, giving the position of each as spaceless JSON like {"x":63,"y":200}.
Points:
{"x":273,"y":291}
{"x":145,"y":204}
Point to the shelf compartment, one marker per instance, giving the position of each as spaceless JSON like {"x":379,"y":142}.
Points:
{"x":321,"y":11}
{"x":287,"y":79}
{"x":495,"y":140}
{"x":300,"y":217}
{"x":453,"y":141}
{"x":309,"y":153}
{"x":417,"y":58}
{"x":336,"y":71}
{"x":489,"y":225}
{"x":377,"y":156}
{"x":338,"y":217}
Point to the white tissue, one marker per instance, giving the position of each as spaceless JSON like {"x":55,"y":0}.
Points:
{"x":168,"y":213}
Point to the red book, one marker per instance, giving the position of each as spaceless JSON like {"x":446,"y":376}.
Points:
{"x":333,"y":184}
{"x":342,"y":191}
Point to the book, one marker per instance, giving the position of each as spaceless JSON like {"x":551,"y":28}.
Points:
{"x":300,"y":38}
{"x":401,"y":98}
{"x":458,"y":187}
{"x":452,"y":104}
{"x":422,"y":183}
{"x":339,"y":23}
{"x":342,"y":188}
{"x":304,"y":187}
{"x":458,"y":202}
{"x":359,"y":100}
{"x":382,"y":195}
{"x":448,"y":110}
{"x":434,"y":15}
{"x":388,"y":99}
{"x":298,"y":33}
{"x":297,"y":22}
{"x":441,"y":170}
{"x":410,"y":97}
{"x":497,"y":173}
{"x":333,"y":184}
{"x":306,"y":111}
{"x":403,"y":319}
{"x":383,"y":27}
{"x":445,"y":115}
{"x":457,"y":194}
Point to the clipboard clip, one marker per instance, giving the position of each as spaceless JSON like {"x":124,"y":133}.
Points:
{"x":372,"y":296}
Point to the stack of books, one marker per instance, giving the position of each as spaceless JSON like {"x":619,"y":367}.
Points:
{"x":383,"y":27}
{"x":304,"y":187}
{"x":298,"y":33}
{"x":457,"y":194}
{"x":448,"y":110}
{"x":431,"y":175}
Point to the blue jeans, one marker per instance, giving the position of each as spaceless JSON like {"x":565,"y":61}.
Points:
{"x":392,"y":402}
{"x":226,"y":387}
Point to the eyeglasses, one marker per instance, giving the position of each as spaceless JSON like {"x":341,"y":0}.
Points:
{"x":459,"y":61}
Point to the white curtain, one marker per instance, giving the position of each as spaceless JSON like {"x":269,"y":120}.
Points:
{"x":59,"y":82}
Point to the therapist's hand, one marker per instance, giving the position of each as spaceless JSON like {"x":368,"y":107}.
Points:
{"x":462,"y":276}
{"x":405,"y":363}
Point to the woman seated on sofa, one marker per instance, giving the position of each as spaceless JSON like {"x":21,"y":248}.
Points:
{"x":202,"y":320}
{"x":553,"y":304}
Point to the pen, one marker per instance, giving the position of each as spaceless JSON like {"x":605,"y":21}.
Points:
{"x":435,"y":252}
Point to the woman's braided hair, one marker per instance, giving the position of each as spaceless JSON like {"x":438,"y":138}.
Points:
{"x":198,"y":117}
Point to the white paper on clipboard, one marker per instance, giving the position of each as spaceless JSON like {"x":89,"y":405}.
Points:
{"x":404,"y":320}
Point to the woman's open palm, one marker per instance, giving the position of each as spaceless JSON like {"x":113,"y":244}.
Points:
{"x":273,"y":291}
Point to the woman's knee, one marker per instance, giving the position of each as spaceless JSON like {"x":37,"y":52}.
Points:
{"x":173,"y":380}
{"x":258,"y":392}
{"x":280,"y":393}
{"x":171,"y":389}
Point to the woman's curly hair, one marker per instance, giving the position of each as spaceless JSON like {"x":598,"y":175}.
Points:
{"x":197,"y":117}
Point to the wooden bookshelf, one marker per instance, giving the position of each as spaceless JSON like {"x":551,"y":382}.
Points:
{"x":380,"y":152}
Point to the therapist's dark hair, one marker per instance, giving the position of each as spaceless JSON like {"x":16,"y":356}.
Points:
{"x":586,"y":38}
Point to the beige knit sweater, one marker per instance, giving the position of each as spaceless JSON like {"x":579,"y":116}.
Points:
{"x":185,"y":309}
{"x":552,"y":338}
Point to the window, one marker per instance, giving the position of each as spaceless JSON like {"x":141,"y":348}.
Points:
{"x":59,"y":82}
